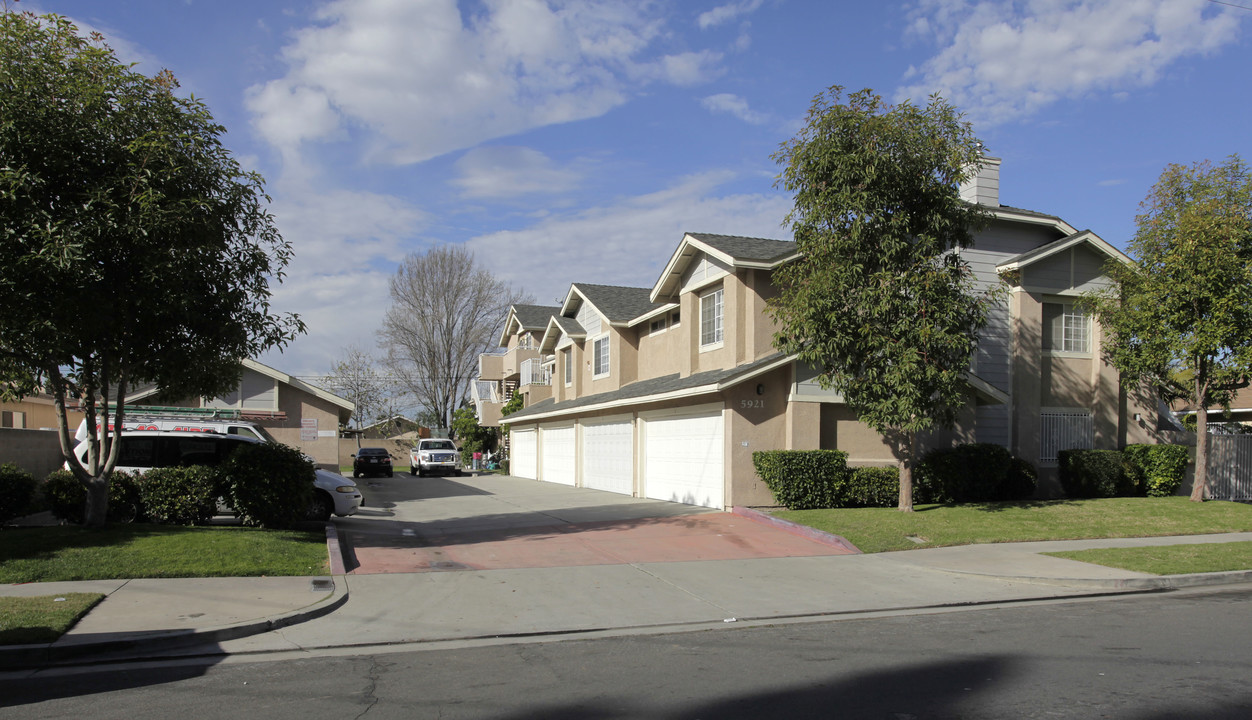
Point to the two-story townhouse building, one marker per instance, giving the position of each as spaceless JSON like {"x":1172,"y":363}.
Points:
{"x":665,"y":392}
{"x":520,"y":367}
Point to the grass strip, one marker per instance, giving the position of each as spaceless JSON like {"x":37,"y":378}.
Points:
{"x":1169,"y":559}
{"x":42,"y":619}
{"x":886,"y":529}
{"x":50,"y":554}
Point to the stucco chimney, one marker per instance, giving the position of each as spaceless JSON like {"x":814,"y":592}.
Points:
{"x":984,"y":188}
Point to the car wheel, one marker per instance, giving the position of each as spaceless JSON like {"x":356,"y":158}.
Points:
{"x":321,"y":508}
{"x":412,"y":470}
{"x":421,"y":471}
{"x":356,"y":473}
{"x":391,"y":473}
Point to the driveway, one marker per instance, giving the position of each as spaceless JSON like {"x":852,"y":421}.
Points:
{"x":493,"y":522}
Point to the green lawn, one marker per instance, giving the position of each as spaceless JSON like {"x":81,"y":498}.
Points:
{"x":47,"y":554}
{"x":1170,"y":559}
{"x":26,"y":620}
{"x":883,"y":529}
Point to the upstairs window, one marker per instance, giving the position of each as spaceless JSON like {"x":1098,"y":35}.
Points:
{"x":711,"y":329}
{"x":1066,"y":329}
{"x":567,"y":359}
{"x":600,"y":357}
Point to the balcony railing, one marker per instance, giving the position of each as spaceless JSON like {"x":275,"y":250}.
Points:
{"x":534,"y":372}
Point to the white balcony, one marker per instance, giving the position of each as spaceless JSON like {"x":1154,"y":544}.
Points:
{"x":535,"y":372}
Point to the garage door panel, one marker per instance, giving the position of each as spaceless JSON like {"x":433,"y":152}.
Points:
{"x":608,"y":457}
{"x":523,"y":447}
{"x":556,"y":450}
{"x":684,"y":460}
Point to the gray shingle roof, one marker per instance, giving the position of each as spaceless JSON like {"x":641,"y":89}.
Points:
{"x":619,"y":304}
{"x":534,"y":317}
{"x":644,"y":388}
{"x":569,"y":326}
{"x":748,"y":248}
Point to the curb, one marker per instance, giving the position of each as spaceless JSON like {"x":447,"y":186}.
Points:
{"x":18,"y":657}
{"x":15,"y":657}
{"x":1155,"y":582}
{"x":803,"y":531}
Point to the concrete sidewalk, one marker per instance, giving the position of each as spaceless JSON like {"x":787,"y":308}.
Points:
{"x":162,"y":618}
{"x":645,"y":592}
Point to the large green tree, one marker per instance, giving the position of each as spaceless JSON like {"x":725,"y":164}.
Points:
{"x":1180,"y":316}
{"x":133,"y":247}
{"x":879,"y":303}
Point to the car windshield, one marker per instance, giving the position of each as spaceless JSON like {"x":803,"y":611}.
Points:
{"x":439,"y":445}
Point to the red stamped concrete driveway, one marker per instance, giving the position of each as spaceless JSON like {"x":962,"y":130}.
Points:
{"x":415,"y":525}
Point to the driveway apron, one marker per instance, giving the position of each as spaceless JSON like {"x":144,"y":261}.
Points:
{"x":492,"y":522}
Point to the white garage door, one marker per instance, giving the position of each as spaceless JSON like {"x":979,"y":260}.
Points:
{"x":683,"y":459}
{"x":608,"y":456}
{"x":522,"y":451}
{"x":556,"y":453}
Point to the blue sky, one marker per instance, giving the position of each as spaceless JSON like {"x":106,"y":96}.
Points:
{"x":576,"y":140}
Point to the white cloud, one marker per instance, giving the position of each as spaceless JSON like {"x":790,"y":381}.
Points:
{"x":627,"y":243}
{"x":725,"y":13}
{"x":504,"y":171}
{"x":734,"y":105}
{"x":1001,"y":60}
{"x":421,"y":79}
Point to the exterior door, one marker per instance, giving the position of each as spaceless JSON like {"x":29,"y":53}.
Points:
{"x":556,"y":454}
{"x":524,"y":451}
{"x":684,"y":459}
{"x":608,"y":456}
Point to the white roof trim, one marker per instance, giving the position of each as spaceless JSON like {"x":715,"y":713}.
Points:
{"x":1085,"y":237}
{"x":689,"y":247}
{"x":300,"y":384}
{"x":648,"y":316}
{"x":1005,"y":213}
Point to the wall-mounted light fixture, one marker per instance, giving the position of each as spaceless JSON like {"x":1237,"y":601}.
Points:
{"x":760,"y":389}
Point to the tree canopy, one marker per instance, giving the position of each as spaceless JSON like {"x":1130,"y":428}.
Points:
{"x":1182,"y":309}
{"x":878,"y":303}
{"x":135,"y":249}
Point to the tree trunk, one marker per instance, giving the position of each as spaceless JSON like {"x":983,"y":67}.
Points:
{"x":906,"y":471}
{"x":97,"y":509}
{"x":1200,"y":487}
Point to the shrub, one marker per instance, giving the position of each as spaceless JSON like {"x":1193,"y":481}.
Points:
{"x":17,"y":491}
{"x":1156,"y":470}
{"x":268,"y":484}
{"x":179,"y":495}
{"x":972,"y":472}
{"x":804,"y":479}
{"x":873,"y":487}
{"x":1094,"y":474}
{"x":66,"y":497}
{"x":1021,"y":482}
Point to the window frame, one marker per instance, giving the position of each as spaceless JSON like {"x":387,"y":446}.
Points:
{"x":717,"y":318}
{"x":597,"y":371}
{"x":567,"y":359}
{"x":1073,"y":334}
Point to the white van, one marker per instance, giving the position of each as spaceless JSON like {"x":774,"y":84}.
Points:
{"x":175,"y":423}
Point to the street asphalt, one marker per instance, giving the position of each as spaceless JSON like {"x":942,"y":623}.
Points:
{"x":496,"y":559}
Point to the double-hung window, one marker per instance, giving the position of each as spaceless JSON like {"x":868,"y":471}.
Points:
{"x":600,"y":357}
{"x":567,"y":359}
{"x":711,"y":312}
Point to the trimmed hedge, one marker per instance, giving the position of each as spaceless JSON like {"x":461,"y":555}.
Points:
{"x":1156,"y":470}
{"x":874,"y":487}
{"x":972,"y":472}
{"x":1094,"y":474}
{"x":179,"y":495}
{"x":269,"y":485}
{"x":66,"y":497}
{"x":17,"y":492}
{"x":804,"y":479}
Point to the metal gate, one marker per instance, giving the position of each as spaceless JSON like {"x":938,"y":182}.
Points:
{"x":1230,"y":467}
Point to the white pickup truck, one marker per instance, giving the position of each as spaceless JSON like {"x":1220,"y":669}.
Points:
{"x":435,"y":455}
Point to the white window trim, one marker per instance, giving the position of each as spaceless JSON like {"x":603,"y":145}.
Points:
{"x":567,"y":358}
{"x":1090,"y":332}
{"x":595,"y":357}
{"x":718,"y":343}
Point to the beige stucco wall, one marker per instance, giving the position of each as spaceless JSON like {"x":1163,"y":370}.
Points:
{"x":662,"y":353}
{"x":754,"y":421}
{"x":38,"y":452}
